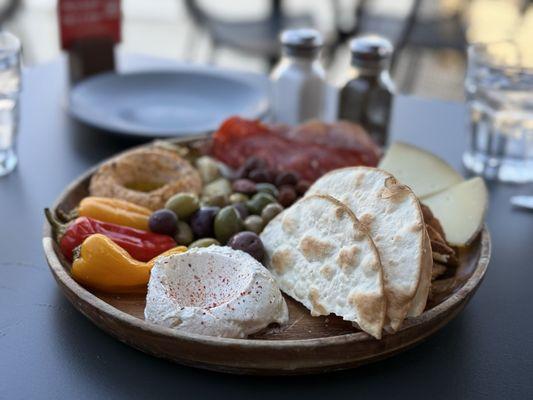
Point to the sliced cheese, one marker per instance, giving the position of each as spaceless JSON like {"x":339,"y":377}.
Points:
{"x":460,"y":210}
{"x":422,"y":171}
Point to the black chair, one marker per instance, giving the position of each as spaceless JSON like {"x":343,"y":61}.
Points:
{"x":8,"y":10}
{"x":410,"y":31}
{"x":257,"y":38}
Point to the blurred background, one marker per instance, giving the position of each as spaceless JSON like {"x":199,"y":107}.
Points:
{"x":430,"y":35}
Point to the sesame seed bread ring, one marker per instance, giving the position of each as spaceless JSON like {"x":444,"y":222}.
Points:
{"x":166,"y":170}
{"x":393,"y":218}
{"x":321,"y":257}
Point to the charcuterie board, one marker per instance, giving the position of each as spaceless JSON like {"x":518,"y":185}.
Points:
{"x":306,"y":344}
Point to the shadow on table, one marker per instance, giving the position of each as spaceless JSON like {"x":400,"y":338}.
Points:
{"x":97,"y":357}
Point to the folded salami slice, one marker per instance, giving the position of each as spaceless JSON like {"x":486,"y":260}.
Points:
{"x":321,"y":147}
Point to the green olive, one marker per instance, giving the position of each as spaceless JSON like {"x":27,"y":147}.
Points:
{"x":215,"y":201}
{"x":270,"y":211}
{"x":238,"y":198}
{"x":226,"y":171}
{"x":184,"y":235}
{"x":208,"y":169}
{"x":183,"y":204}
{"x":267,"y":188}
{"x":228,"y":222}
{"x":254,"y":223}
{"x":204,"y":242}
{"x":258,"y":202}
{"x":219,"y":187}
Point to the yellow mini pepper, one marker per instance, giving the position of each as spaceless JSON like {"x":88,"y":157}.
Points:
{"x":103,"y":265}
{"x":116,"y":211}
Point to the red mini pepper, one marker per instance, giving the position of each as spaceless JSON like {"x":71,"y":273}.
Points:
{"x":141,"y":245}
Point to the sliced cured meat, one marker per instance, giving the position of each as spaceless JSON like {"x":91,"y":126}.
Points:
{"x":311,"y":149}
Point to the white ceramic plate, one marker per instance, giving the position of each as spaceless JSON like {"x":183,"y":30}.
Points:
{"x":188,"y":100}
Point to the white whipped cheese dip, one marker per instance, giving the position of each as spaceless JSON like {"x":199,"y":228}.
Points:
{"x":215,"y":291}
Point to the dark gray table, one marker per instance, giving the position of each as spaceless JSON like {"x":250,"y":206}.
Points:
{"x":49,"y":350}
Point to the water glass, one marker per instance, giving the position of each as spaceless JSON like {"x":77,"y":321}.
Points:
{"x":10,"y":55}
{"x":499,"y":92}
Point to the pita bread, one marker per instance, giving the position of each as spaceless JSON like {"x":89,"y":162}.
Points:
{"x":394,"y":220}
{"x":418,"y":304}
{"x":321,"y":256}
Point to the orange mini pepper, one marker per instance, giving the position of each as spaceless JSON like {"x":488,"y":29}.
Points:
{"x":105,"y":266}
{"x":116,"y":211}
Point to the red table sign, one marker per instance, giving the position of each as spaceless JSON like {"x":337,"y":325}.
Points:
{"x":83,"y":19}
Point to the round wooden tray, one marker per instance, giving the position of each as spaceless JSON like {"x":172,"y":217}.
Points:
{"x":305,"y":345}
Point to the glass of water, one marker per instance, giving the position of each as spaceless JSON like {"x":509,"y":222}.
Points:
{"x":10,"y":55}
{"x":499,"y":91}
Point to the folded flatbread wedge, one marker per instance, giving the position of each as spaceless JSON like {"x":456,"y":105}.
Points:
{"x":392,"y":216}
{"x":323,"y":258}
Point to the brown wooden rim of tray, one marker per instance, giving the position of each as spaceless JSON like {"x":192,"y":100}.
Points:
{"x":85,"y":295}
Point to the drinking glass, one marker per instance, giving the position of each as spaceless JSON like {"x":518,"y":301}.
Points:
{"x":9,"y":100}
{"x":499,"y":92}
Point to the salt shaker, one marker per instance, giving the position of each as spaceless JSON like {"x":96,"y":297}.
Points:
{"x":367,"y":96}
{"x":298,"y":81}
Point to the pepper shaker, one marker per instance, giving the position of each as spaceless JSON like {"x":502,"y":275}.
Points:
{"x":367,"y":96}
{"x":298,"y":81}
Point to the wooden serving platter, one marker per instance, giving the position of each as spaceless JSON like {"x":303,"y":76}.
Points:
{"x":305,"y":345}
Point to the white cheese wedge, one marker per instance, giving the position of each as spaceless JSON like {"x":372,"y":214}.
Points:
{"x":214,"y":291}
{"x":460,"y":210}
{"x":422,"y":171}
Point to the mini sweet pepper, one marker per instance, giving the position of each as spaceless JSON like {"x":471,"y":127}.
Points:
{"x":103,"y":265}
{"x":140,"y":244}
{"x":116,"y":211}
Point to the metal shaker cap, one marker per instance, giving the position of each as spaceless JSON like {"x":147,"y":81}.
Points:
{"x":302,"y":42}
{"x":371,"y":51}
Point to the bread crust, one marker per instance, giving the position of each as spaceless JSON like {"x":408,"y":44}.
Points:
{"x":155,"y":165}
